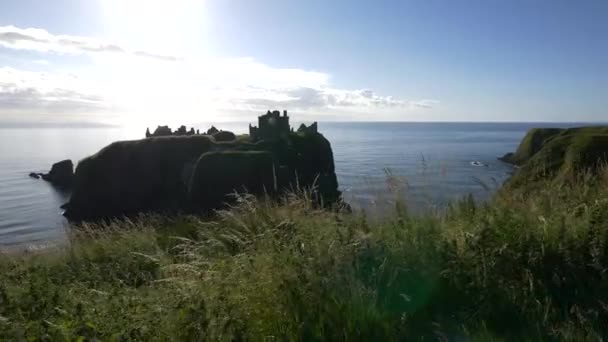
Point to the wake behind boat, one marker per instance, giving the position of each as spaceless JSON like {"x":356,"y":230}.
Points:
{"x":478,"y":163}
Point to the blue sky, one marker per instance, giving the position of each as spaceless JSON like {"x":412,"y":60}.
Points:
{"x":131,"y":61}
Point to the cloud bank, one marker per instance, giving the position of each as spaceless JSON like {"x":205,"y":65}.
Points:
{"x":24,"y":91}
{"x":139,"y":83}
{"x":35,"y":39}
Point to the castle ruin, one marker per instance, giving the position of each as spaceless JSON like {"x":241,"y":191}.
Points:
{"x":271,"y":126}
{"x":163,"y":131}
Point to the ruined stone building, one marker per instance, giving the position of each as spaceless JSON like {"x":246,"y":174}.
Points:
{"x":312,"y":129}
{"x":271,"y":126}
{"x":163,"y":131}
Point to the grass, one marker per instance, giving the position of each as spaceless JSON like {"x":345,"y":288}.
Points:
{"x":525,"y":266}
{"x":559,"y":153}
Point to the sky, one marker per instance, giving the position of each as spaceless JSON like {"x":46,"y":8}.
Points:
{"x":147,"y":62}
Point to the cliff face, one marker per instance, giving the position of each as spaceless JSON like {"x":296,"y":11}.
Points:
{"x":219,"y":174}
{"x":534,"y":140}
{"x":197,"y":174}
{"x":558,"y":153}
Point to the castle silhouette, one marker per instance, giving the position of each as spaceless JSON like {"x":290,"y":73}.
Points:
{"x":271,"y":126}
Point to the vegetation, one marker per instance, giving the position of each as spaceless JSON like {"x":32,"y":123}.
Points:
{"x":522,"y":267}
{"x":531,"y":264}
{"x":560,"y":154}
{"x":534,"y":140}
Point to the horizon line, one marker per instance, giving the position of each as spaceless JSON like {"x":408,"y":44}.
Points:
{"x":24,"y":124}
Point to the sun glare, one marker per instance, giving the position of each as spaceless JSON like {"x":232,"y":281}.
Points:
{"x":149,"y":89}
{"x":168,"y":26}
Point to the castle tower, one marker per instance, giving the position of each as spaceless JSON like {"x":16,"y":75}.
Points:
{"x":271,"y":126}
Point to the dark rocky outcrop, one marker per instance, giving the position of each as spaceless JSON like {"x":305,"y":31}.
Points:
{"x":197,"y":174}
{"x":61,"y":174}
{"x":558,"y":153}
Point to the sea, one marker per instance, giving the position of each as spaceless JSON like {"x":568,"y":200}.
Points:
{"x":424,"y":165}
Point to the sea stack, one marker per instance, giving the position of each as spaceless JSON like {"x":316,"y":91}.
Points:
{"x":200,"y":173}
{"x":61,"y":174}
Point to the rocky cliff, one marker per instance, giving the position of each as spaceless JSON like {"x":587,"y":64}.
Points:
{"x":197,"y":173}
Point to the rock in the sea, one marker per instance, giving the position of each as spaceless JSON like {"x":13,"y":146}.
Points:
{"x":35,"y":175}
{"x":61,"y":174}
{"x":195,"y":173}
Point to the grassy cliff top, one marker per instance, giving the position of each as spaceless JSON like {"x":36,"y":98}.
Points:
{"x":559,"y":153}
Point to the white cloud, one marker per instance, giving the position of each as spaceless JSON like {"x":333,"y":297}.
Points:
{"x":24,"y":92}
{"x":245,"y":84}
{"x":40,"y":40}
{"x":307,"y":98}
{"x":140,"y":85}
{"x":426,"y":103}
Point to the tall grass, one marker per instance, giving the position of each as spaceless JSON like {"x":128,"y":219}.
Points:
{"x":525,"y":266}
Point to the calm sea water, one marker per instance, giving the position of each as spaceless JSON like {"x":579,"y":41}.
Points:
{"x":427,"y":164}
